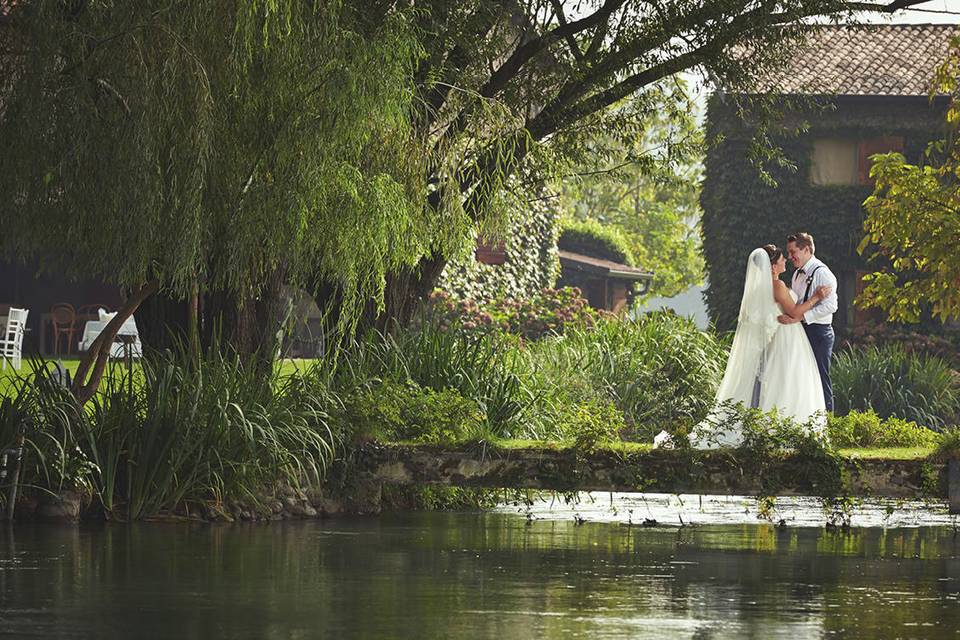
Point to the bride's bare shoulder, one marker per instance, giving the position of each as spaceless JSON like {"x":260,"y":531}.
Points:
{"x":779,"y":284}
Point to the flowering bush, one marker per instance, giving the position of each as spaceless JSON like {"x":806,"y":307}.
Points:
{"x":550,"y":312}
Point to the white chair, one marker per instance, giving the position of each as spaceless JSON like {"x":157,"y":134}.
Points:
{"x":11,"y":344}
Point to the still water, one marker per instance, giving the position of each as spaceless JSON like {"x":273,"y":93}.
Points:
{"x":527,"y":572}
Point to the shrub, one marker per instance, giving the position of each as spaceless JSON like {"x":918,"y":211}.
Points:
{"x":591,"y":423}
{"x":660,"y":371}
{"x":595,"y":239}
{"x":949,"y":446}
{"x":893,"y":382}
{"x":481,"y":367}
{"x":394,"y":411}
{"x":549,"y":312}
{"x":933,"y":341}
{"x":867,"y":429}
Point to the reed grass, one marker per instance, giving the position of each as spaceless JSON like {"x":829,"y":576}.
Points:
{"x":482,"y":367}
{"x":174,"y":431}
{"x":660,"y":371}
{"x":892,"y":382}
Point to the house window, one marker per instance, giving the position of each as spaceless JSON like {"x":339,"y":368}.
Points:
{"x":871,"y":146}
{"x":846,"y":161}
{"x":490,"y":252}
{"x":834,"y":161}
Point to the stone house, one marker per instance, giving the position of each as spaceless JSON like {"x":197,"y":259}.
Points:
{"x":854,"y":91}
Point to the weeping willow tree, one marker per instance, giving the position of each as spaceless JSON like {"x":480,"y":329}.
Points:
{"x":220,"y":146}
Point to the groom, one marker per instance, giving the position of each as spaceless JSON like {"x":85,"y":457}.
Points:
{"x":817,"y":322}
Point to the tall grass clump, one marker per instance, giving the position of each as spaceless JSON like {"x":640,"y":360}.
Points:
{"x":659,"y":371}
{"x":44,"y":413}
{"x":172,"y":431}
{"x":893,"y":382}
{"x":204,"y":431}
{"x":482,"y":367}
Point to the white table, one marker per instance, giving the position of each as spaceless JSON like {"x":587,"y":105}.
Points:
{"x":93,"y":328}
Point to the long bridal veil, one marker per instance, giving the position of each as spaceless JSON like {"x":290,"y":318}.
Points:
{"x":756,"y":325}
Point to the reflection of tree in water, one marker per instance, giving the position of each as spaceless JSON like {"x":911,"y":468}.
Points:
{"x":476,"y":575}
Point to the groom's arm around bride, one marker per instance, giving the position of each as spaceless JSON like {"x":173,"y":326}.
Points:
{"x":817,"y":322}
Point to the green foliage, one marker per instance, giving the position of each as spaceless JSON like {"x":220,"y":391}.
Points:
{"x":767,"y":438}
{"x":530,"y":258}
{"x":893,"y":382}
{"x":205,"y":143}
{"x":481,"y":368}
{"x":616,"y":379}
{"x":645,"y":189}
{"x":949,"y":446}
{"x":591,"y":423}
{"x":592,"y":238}
{"x":742,"y":211}
{"x":201,"y":432}
{"x":912,"y":217}
{"x":181,"y":432}
{"x":547,"y":312}
{"x":392,"y":411}
{"x":913,"y":220}
{"x":437,"y":498}
{"x":867,"y":429}
{"x":658,"y":370}
{"x":45,"y":414}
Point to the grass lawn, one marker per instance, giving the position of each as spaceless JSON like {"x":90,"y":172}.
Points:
{"x":286,"y":367}
{"x":866,"y":453}
{"x":889,"y":453}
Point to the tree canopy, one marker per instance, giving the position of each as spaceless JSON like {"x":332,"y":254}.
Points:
{"x":212,"y":142}
{"x":526,"y":89}
{"x":221,"y":145}
{"x":648,"y":190}
{"x":213,"y":146}
{"x":913,"y":221}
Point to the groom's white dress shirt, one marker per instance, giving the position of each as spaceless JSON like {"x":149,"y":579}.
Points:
{"x":822,"y":312}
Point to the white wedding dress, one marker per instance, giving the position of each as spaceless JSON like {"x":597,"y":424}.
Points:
{"x":791,"y":379}
{"x":771,"y":366}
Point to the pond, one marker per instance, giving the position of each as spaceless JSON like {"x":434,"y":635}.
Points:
{"x":478,"y":575}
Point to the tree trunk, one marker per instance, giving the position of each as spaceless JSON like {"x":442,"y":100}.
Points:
{"x":250,"y":326}
{"x":163,"y":322}
{"x":269,"y":317}
{"x":96,"y":357}
{"x":193,"y":322}
{"x":407,"y":290}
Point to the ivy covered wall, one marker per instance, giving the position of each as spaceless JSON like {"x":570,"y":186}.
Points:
{"x":531,"y":262}
{"x":741,"y":212}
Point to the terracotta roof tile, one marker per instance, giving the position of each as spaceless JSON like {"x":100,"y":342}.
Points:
{"x":867,"y":60}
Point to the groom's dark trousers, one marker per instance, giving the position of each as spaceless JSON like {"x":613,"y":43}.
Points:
{"x":821,"y":339}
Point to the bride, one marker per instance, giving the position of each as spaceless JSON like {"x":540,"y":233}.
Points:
{"x":771,"y":365}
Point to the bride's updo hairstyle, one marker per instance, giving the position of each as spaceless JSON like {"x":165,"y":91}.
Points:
{"x":773,"y":252}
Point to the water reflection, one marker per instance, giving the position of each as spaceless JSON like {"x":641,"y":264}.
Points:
{"x":477,"y":576}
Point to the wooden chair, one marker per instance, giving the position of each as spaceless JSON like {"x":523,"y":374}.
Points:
{"x":64,"y":319}
{"x":11,"y":342}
